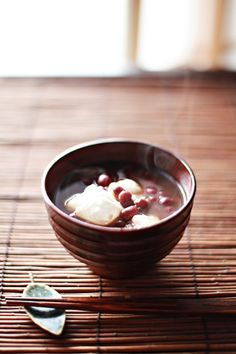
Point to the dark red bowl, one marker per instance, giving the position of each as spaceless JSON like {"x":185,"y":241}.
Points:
{"x":115,"y":252}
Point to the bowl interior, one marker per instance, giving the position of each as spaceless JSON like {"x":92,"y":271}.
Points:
{"x":151,"y":157}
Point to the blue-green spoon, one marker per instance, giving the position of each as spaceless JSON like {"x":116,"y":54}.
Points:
{"x":50,"y":319}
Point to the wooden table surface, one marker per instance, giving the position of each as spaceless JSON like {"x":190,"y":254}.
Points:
{"x":192,"y":115}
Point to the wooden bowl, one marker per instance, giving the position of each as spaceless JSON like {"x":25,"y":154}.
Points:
{"x":108,"y":251}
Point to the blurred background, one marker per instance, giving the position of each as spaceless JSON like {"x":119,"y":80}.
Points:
{"x":112,"y":38}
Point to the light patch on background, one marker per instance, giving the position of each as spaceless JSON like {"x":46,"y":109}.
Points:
{"x":167,"y":29}
{"x":62,"y":37}
{"x":228,"y":56}
{"x":90,"y":37}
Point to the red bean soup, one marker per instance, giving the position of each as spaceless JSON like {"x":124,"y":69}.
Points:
{"x":119,"y":195}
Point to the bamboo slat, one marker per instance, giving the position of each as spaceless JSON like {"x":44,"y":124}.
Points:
{"x":192,"y":115}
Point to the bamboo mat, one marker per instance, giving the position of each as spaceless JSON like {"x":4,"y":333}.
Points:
{"x":194,"y":116}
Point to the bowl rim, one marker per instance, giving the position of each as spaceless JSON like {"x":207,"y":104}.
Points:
{"x":110,"y":229}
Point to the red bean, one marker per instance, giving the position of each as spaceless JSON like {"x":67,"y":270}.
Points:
{"x":117,"y":190}
{"x":142,"y":203}
{"x":169,"y":209}
{"x":125,"y":199}
{"x":161,"y":192}
{"x":120,"y":223}
{"x":166,"y":201}
{"x":128,"y":213}
{"x":151,"y":190}
{"x":104,"y":180}
{"x":152,"y":199}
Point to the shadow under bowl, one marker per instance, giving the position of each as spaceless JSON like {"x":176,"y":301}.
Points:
{"x":113,"y":252}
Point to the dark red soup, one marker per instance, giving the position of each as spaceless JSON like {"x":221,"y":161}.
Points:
{"x":118,"y":195}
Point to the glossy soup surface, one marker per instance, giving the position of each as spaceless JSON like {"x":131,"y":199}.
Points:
{"x":162,"y":193}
